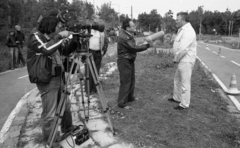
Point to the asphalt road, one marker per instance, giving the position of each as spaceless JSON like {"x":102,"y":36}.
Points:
{"x":14,"y":85}
{"x":223,"y":65}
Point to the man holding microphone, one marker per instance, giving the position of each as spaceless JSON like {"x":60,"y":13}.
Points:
{"x":127,"y":52}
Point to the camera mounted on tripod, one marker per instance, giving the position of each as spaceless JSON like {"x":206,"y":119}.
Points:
{"x":69,"y":18}
{"x":81,"y":30}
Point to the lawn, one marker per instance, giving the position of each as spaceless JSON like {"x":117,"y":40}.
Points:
{"x":152,"y":121}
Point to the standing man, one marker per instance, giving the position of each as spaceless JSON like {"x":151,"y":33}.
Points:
{"x":11,"y":43}
{"x":98,"y":45}
{"x":185,"y":46}
{"x":127,"y":52}
{"x":46,"y":40}
{"x":20,"y":39}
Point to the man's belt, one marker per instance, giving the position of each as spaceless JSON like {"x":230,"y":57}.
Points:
{"x":94,"y":50}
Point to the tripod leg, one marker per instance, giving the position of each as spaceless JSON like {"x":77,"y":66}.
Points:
{"x":57,"y":118}
{"x":94,"y":73}
{"x":61,"y":108}
{"x":82,"y":95}
{"x":88,"y":87}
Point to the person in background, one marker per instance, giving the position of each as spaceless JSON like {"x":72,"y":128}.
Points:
{"x":11,"y":43}
{"x":98,"y":45}
{"x":20,"y":39}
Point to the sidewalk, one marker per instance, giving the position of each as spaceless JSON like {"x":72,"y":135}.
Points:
{"x":26,"y":130}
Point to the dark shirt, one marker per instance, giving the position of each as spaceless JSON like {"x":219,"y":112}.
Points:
{"x":11,"y":41}
{"x":127,"y":48}
{"x":20,"y":37}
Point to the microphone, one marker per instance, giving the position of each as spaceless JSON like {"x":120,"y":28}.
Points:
{"x":154,"y":36}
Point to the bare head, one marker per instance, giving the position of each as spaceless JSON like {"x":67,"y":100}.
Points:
{"x":182,"y":19}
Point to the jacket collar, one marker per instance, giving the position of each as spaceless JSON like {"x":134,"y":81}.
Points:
{"x":128,"y":33}
{"x":185,"y":26}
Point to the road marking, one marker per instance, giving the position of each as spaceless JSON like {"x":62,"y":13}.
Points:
{"x":214,"y":52}
{"x":235,"y":63}
{"x":12,"y":115}
{"x":232,"y":98}
{"x":22,"y":77}
{"x":223,"y":47}
{"x":9,"y":71}
{"x":223,"y":56}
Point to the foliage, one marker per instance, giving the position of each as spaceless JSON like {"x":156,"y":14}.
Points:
{"x":150,"y":21}
{"x":109,"y":15}
{"x":220,"y":21}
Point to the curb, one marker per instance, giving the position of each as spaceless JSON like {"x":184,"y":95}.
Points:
{"x":16,"y":128}
{"x":100,"y":136}
{"x":14,"y":132}
{"x":224,"y":88}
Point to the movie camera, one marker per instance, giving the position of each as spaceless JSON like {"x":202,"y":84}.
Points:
{"x":69,"y":19}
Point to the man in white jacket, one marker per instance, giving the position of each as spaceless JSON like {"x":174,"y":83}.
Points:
{"x":98,"y":45}
{"x":185,"y":46}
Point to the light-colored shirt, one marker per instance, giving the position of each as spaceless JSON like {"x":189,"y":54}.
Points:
{"x":97,"y":40}
{"x":186,"y":40}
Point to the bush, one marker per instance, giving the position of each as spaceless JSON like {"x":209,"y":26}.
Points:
{"x":3,"y":34}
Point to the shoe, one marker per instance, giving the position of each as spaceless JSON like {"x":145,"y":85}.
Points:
{"x":135,"y":99}
{"x":179,"y":108}
{"x":127,"y":107}
{"x":172,"y":100}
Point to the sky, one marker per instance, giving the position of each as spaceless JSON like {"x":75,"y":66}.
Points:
{"x":162,"y":6}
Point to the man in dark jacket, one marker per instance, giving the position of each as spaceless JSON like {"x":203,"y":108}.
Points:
{"x":127,"y":51}
{"x":47,"y":40}
{"x":11,"y":43}
{"x":20,"y":39}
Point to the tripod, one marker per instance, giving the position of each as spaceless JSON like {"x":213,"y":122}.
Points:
{"x":89,"y":65}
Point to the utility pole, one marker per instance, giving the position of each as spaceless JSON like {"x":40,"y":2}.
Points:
{"x":131,"y":13}
{"x":229,"y":33}
{"x":232,"y":28}
{"x":200,"y":29}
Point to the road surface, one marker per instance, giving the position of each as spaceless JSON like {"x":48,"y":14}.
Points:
{"x":14,"y":85}
{"x":224,"y":65}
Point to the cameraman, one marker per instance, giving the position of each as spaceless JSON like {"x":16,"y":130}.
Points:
{"x":46,"y":40}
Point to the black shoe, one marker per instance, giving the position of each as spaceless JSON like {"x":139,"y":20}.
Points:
{"x":122,"y":106}
{"x":134,"y":99}
{"x":179,"y":108}
{"x":172,"y":100}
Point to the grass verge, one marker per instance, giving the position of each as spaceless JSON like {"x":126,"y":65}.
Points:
{"x":152,"y":121}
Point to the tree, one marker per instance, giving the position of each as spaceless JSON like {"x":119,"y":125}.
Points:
{"x":108,"y":14}
{"x":150,"y":21}
{"x":169,"y":24}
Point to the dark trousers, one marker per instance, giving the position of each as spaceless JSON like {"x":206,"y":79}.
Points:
{"x":12,"y":62}
{"x":127,"y":81}
{"x":20,"y":55}
{"x":97,"y":57}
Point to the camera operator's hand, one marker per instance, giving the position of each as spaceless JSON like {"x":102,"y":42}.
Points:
{"x":65,"y":33}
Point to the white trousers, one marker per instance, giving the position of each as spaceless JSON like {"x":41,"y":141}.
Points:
{"x":182,"y":83}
